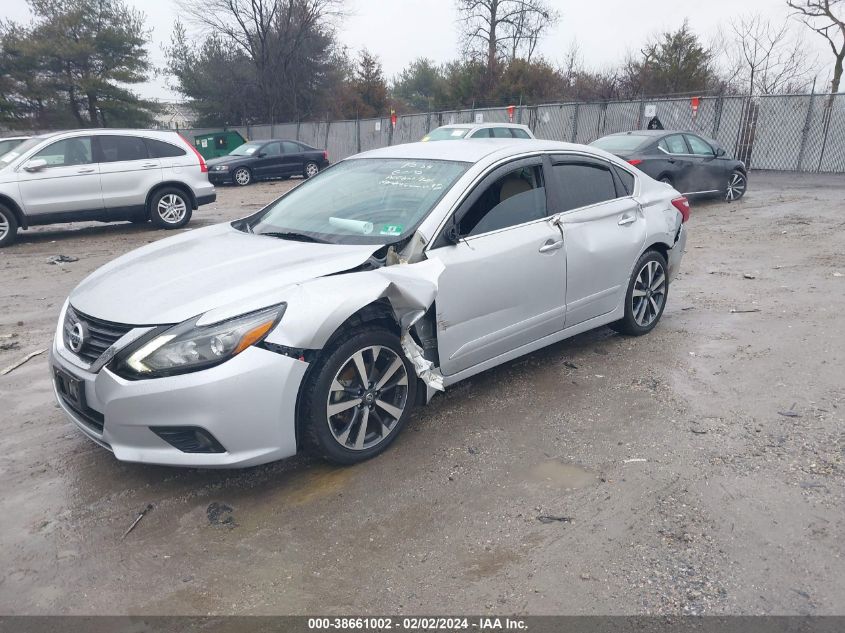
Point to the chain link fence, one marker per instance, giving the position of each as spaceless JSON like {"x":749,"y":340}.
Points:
{"x":784,"y":132}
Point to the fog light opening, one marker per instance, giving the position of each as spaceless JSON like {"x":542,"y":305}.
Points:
{"x":189,"y":439}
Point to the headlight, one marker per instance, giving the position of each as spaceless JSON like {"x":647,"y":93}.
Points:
{"x":187,"y":347}
{"x":221,"y":168}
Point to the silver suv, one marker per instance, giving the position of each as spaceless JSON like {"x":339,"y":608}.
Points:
{"x":102,"y":175}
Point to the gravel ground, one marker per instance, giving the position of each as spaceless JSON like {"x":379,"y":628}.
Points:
{"x":698,"y":469}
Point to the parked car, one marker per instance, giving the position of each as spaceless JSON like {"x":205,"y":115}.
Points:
{"x":478,"y":130}
{"x":263,"y":160}
{"x":323,"y":319}
{"x":103,"y":175}
{"x":10,"y":142}
{"x":688,"y":162}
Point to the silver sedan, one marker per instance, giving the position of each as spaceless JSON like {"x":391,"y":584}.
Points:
{"x":322,"y":320}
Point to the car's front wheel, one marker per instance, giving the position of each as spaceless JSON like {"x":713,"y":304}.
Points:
{"x":737,"y":184}
{"x":8,"y":226}
{"x":646,"y":295}
{"x":357,"y":397}
{"x":242,"y":176}
{"x":170,"y":208}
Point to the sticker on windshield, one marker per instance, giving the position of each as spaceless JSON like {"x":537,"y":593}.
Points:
{"x":413,"y":175}
{"x":391,"y":229}
{"x":458,"y":132}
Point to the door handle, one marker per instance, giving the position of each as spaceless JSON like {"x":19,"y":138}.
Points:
{"x":149,"y":165}
{"x":550,"y":246}
{"x":627,"y":219}
{"x":90,"y":170}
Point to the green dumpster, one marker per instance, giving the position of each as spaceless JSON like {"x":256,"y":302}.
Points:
{"x":218,"y":144}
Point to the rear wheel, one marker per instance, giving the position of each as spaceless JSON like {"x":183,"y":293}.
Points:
{"x":646,"y":295}
{"x":358,"y":398}
{"x":737,"y":184}
{"x":311,"y":169}
{"x":242,"y":176}
{"x":8,"y":226}
{"x":170,"y":208}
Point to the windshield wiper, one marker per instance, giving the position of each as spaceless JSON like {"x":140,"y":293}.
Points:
{"x":292,"y":235}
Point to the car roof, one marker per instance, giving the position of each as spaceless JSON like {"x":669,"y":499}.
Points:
{"x":107,"y":130}
{"x":14,"y":138}
{"x":662,"y":133}
{"x":472,"y":151}
{"x":474,"y":126}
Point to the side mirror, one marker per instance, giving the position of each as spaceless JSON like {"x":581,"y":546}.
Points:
{"x":261,"y":154}
{"x":452,"y":234}
{"x":36,"y":164}
{"x":720,"y":152}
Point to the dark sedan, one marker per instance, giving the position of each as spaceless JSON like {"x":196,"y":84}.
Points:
{"x":689,"y":162}
{"x":264,"y":160}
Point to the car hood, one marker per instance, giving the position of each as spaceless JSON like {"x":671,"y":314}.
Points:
{"x":184,"y":276}
{"x":226,"y":160}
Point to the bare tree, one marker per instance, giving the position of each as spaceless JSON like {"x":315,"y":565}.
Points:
{"x":500,"y":30}
{"x":276,"y":36}
{"x":766,"y":60}
{"x":827,"y":18}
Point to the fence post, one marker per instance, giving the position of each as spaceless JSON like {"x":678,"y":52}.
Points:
{"x":575,"y":123}
{"x":641,"y":115}
{"x":804,"y":131}
{"x":328,"y":125}
{"x":717,"y":115}
{"x":298,"y":123}
{"x":826,"y":116}
{"x":390,"y":131}
{"x":358,"y":133}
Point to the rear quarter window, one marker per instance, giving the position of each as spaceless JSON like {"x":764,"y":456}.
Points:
{"x":160,"y":149}
{"x":627,"y":179}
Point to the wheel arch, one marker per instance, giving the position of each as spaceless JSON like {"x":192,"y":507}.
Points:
{"x":15,"y":208}
{"x":171,"y":183}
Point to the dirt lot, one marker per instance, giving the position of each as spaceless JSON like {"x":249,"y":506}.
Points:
{"x":696,"y":470}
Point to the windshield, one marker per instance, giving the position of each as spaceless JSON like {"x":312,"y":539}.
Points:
{"x":9,"y":156}
{"x":621,"y":143}
{"x":446,"y":134}
{"x":247,"y":149}
{"x":361,"y":201}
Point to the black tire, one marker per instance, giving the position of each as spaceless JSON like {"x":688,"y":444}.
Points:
{"x":242,"y":176}
{"x":632,"y":323}
{"x":164,"y":219}
{"x":310,"y":169}
{"x":314,"y":420}
{"x":736,"y":187}
{"x":8,"y":226}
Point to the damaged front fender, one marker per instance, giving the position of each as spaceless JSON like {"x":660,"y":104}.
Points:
{"x":317,"y":308}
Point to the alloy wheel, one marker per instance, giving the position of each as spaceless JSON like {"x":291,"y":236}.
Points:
{"x":4,"y":227}
{"x":649,"y":293}
{"x":311,"y":170}
{"x":367,"y":398}
{"x":171,"y":208}
{"x":242,"y":177}
{"x":736,"y":187}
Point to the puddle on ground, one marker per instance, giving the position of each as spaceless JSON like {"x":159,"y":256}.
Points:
{"x":557,"y":474}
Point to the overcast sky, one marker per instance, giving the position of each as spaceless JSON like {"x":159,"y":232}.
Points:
{"x":399,"y":31}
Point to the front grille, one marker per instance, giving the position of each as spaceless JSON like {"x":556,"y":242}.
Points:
{"x":98,"y":336}
{"x":91,"y":418}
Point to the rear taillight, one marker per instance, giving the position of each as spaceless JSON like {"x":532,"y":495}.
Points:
{"x":634,"y":162}
{"x":203,"y":166}
{"x":325,"y":155}
{"x":682,"y":205}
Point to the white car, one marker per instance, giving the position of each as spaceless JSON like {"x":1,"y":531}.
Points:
{"x":322,"y":320}
{"x":106,"y":175}
{"x":464,"y":131}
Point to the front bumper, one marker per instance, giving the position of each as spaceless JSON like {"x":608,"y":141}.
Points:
{"x":247,"y":403}
{"x":220,"y":177}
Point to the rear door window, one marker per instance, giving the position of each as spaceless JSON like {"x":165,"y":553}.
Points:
{"x":674,"y":144}
{"x":584,"y":183}
{"x":501,"y":132}
{"x":484,"y":132}
{"x":114,"y":149}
